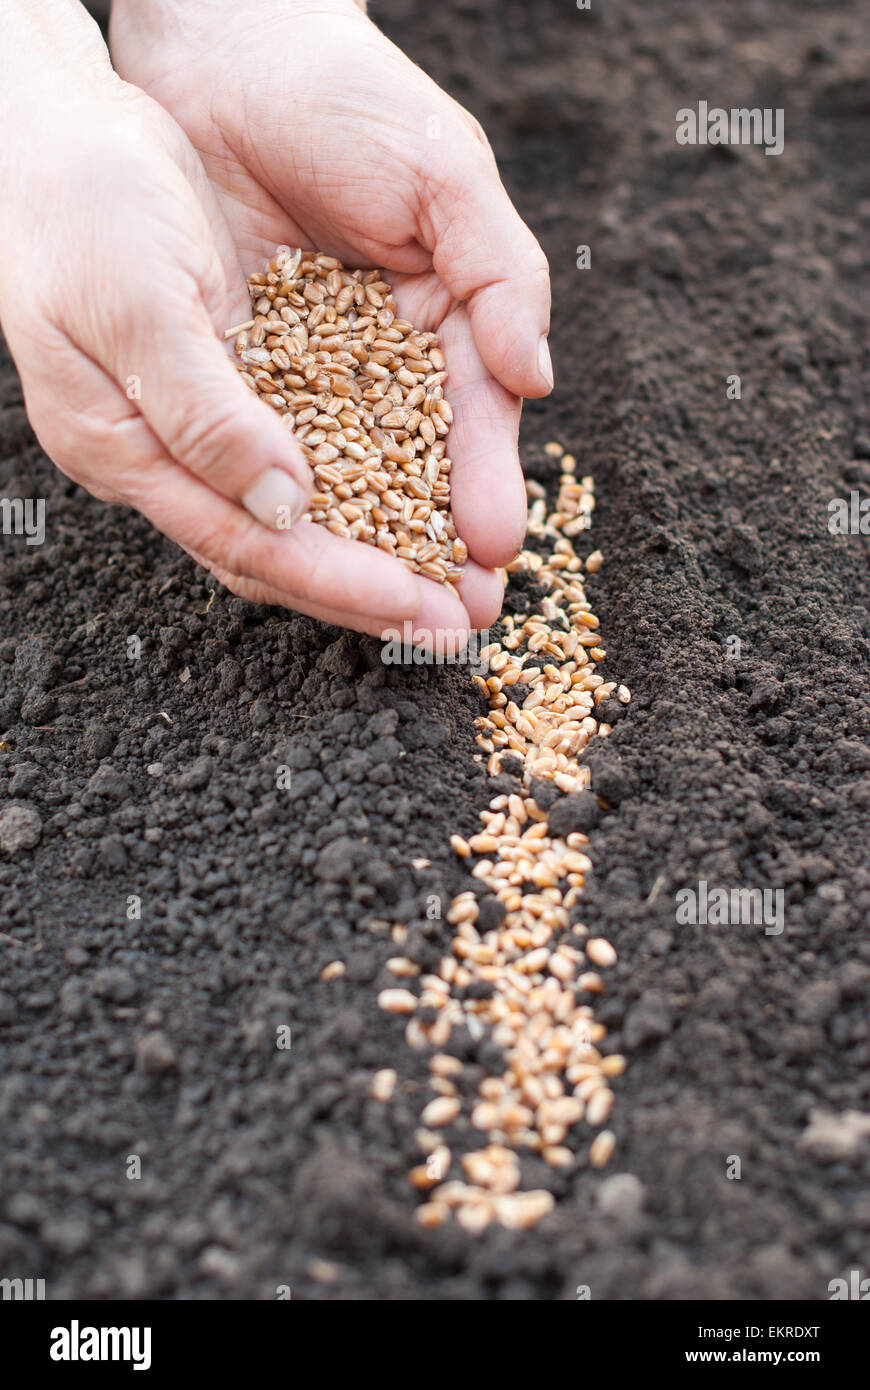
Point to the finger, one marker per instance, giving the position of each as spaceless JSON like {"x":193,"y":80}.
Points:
{"x":487,"y":257}
{"x":433,"y":624}
{"x":216,"y":428}
{"x":482,"y":593}
{"x":309,"y":565}
{"x":170,"y":360}
{"x":442,"y":624}
{"x":307,"y":569}
{"x":487,"y":492}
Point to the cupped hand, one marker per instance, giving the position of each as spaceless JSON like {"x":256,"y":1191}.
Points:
{"x":118,"y":273}
{"x":316,"y":131}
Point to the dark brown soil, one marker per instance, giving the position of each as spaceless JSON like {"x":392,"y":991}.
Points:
{"x":156,"y":1037}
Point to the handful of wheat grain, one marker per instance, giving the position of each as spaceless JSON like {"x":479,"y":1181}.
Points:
{"x":362,"y":391}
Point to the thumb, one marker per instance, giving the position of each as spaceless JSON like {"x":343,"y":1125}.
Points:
{"x":486,"y":256}
{"x":209,"y":421}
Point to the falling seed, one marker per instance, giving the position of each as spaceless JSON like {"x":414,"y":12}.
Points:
{"x":592,"y":983}
{"x":484,"y":1116}
{"x":557,"y":1156}
{"x":415,"y":1034}
{"x":438,"y":1162}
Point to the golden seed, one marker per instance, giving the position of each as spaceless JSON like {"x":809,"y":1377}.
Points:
{"x":599,"y":1106}
{"x":402,"y":967}
{"x":416,"y":1035}
{"x":443,"y":1065}
{"x":549,"y":1040}
{"x":429,"y":1174}
{"x":383,"y":1084}
{"x":397,"y":1001}
{"x":474,"y":1218}
{"x":463,"y":909}
{"x":483,"y":844}
{"x":613,"y":1065}
{"x":352,"y":397}
{"x":601,"y":1148}
{"x":441,"y":1111}
{"x":600,"y":952}
{"x":524,"y":1209}
{"x":432,"y":1214}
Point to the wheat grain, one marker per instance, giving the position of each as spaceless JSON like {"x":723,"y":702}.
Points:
{"x":555,"y":1075}
{"x":362,"y":391}
{"x":383,"y":1084}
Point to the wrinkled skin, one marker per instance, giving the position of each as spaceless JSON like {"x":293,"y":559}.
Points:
{"x":181,"y":175}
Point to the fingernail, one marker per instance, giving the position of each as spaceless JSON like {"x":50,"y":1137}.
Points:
{"x":545,"y":363}
{"x":276,"y":499}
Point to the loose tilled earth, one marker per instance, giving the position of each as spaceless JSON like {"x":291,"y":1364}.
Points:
{"x":156,"y":1037}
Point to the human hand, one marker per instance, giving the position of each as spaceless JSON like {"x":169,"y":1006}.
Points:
{"x":315,"y":130}
{"x":113,"y":287}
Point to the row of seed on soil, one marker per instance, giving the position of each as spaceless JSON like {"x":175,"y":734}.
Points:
{"x":535,"y":961}
{"x":363,"y":392}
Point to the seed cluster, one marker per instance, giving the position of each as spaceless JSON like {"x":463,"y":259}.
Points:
{"x":528,"y":969}
{"x":363,"y":392}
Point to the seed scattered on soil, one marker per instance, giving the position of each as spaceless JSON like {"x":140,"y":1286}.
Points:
{"x":601,"y":1148}
{"x":401,"y":967}
{"x":333,"y":970}
{"x":440,"y":1112}
{"x":363,"y":392}
{"x":600,"y":952}
{"x":397,"y":1001}
{"x":531,"y":967}
{"x":383,"y":1084}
